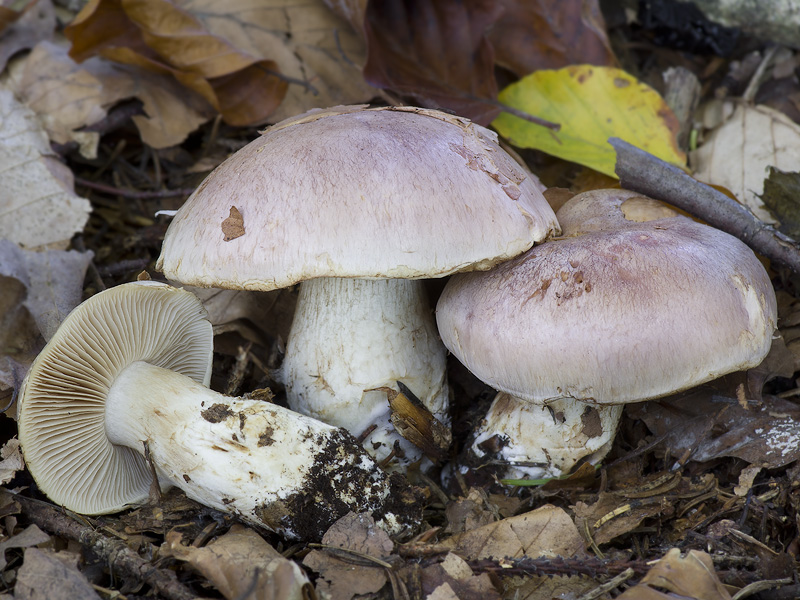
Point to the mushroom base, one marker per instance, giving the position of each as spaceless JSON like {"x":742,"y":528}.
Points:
{"x":261,"y":462}
{"x":536,"y":441}
{"x":351,"y":336}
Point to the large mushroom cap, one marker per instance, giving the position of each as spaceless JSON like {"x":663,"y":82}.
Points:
{"x":613,"y":316}
{"x":62,"y":403}
{"x":357,"y":192}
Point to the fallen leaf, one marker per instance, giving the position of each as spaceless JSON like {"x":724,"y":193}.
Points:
{"x":364,"y":545}
{"x":12,"y":461}
{"x":736,"y":155}
{"x":452,"y":579}
{"x":22,"y":29}
{"x":690,"y":576}
{"x":591,"y":104}
{"x":714,"y":424}
{"x":318,"y":54}
{"x":434,"y":52}
{"x":610,"y":516}
{"x":547,"y":531}
{"x":30,"y":536}
{"x":241,"y":564}
{"x":67,"y":97}
{"x":43,"y":575}
{"x":165,"y":38}
{"x":39,"y":205}
{"x":782,"y":197}
{"x":466,"y":514}
{"x":532,"y":35}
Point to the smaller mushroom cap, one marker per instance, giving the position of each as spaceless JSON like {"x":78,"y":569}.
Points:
{"x":62,"y":402}
{"x":613,"y":316}
{"x":356,"y":192}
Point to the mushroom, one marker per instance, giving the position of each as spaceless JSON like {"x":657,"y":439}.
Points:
{"x":634,"y":302}
{"x":122,"y":387}
{"x":358,"y":203}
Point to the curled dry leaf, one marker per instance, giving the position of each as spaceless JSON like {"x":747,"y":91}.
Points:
{"x":547,"y":531}
{"x":737,"y":154}
{"x":24,"y":28}
{"x":362,"y":543}
{"x":550,"y":34}
{"x":67,"y":97}
{"x":12,"y":460}
{"x":434,"y":52}
{"x":714,"y":424}
{"x":452,"y":579}
{"x":690,"y":576}
{"x":52,"y":575}
{"x":241,"y":564}
{"x":39,"y":205}
{"x":164,"y":38}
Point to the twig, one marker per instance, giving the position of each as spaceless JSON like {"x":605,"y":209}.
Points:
{"x":115,"y":191}
{"x":608,"y":585}
{"x":117,"y":554}
{"x":644,"y":173}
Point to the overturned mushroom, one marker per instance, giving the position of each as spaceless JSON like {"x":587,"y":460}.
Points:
{"x":356,"y":203}
{"x":634,"y":302}
{"x":126,"y":376}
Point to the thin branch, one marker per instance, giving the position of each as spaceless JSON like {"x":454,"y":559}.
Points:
{"x":115,"y":552}
{"x":644,"y":173}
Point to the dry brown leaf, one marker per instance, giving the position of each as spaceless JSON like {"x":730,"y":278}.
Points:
{"x":690,"y":576}
{"x":65,"y":96}
{"x":55,"y":576}
{"x":713,"y":423}
{"x":603,"y":527}
{"x":737,"y":153}
{"x":241,"y":564}
{"x":545,"y":532}
{"x":317,"y":52}
{"x":39,"y":205}
{"x":550,"y":34}
{"x":21,"y":29}
{"x":349,"y":573}
{"x":30,"y":536}
{"x":453,"y":579}
{"x":434,"y":52}
{"x":12,"y":461}
{"x":165,"y":38}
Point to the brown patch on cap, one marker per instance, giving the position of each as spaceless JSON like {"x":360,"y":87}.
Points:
{"x":641,"y":209}
{"x":233,"y":226}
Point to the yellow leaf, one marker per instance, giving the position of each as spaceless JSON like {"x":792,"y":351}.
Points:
{"x":591,"y":104}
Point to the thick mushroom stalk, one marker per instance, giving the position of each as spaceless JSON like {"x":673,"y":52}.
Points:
{"x":351,"y":336}
{"x":126,"y":377}
{"x":535,"y":441}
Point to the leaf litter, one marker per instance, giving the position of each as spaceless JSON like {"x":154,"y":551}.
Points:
{"x":704,"y":482}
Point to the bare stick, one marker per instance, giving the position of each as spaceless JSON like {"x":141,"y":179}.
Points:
{"x":118,"y":555}
{"x":644,"y":173}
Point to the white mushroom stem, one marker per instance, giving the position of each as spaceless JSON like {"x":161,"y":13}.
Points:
{"x":270,"y":466}
{"x":353,"y":335}
{"x":538,"y":440}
